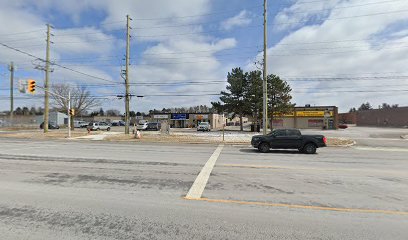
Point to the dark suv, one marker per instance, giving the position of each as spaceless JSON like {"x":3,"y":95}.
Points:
{"x":153,"y":126}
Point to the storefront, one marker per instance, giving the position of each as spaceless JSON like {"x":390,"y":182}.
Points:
{"x":198,"y":118}
{"x":317,"y":117}
{"x":179,"y":120}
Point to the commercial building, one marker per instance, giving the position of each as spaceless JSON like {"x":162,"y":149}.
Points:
{"x":386,"y":117}
{"x":189,"y":120}
{"x":314,"y":117}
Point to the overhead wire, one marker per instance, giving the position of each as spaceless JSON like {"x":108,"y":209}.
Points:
{"x":57,"y":64}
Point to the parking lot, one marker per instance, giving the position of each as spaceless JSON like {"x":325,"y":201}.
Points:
{"x":99,"y":190}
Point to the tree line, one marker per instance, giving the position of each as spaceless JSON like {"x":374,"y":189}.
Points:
{"x":367,"y":106}
{"x":25,"y":111}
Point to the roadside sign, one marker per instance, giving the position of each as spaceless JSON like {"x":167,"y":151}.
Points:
{"x":161,"y":116}
{"x":179,"y":116}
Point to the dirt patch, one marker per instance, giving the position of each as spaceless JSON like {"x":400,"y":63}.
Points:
{"x":339,"y":142}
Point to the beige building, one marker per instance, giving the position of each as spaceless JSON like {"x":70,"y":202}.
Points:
{"x":317,"y":117}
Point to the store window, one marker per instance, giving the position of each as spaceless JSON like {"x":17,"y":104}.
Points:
{"x":315,"y":123}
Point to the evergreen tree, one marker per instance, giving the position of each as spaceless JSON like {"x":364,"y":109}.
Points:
{"x":234,"y":98}
{"x":279,"y":97}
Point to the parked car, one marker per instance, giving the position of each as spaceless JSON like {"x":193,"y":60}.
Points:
{"x":153,"y":126}
{"x":78,"y":124}
{"x":204,"y":126}
{"x":118,"y":123}
{"x":95,"y":126}
{"x":343,"y":126}
{"x":51,"y":125}
{"x":84,"y":124}
{"x":142,"y":126}
{"x":288,"y":139}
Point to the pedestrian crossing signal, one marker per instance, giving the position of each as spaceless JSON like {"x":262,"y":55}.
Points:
{"x":31,"y":86}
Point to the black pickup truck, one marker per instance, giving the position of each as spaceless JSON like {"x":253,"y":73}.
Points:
{"x":288,"y":139}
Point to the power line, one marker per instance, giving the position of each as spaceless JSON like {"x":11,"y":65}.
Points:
{"x":88,"y":33}
{"x":357,"y":91}
{"x":350,"y":6}
{"x":56,"y":64}
{"x":87,"y":40}
{"x":275,"y":24}
{"x":18,"y":33}
{"x":113,"y":22}
{"x":191,"y":16}
{"x":341,"y":18}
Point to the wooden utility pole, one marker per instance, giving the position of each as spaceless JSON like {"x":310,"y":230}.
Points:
{"x":46,"y":83}
{"x":11,"y":68}
{"x":127,"y":96}
{"x":265,"y":75}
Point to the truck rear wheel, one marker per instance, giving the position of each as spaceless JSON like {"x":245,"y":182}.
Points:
{"x":309,"y":148}
{"x":264,"y":147}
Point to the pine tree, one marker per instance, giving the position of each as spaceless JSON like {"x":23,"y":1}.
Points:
{"x":234,"y":98}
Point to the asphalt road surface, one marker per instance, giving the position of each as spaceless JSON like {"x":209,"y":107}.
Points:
{"x":97,"y":190}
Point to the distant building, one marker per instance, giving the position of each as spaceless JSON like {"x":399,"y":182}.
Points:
{"x":189,"y":120}
{"x":55,"y":117}
{"x":386,"y":117}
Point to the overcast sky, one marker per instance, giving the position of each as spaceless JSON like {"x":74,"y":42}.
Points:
{"x":332,"y":52}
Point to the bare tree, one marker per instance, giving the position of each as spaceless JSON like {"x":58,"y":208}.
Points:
{"x":81,"y":99}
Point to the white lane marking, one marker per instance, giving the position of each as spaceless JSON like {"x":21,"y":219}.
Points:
{"x":199,"y":184}
{"x":391,"y":149}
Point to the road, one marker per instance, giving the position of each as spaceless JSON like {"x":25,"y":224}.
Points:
{"x":97,"y":190}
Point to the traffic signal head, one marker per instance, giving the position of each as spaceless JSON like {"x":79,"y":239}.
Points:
{"x":31,"y":86}
{"x":72,"y":112}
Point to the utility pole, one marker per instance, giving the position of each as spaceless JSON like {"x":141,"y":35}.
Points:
{"x":265,"y":75}
{"x":11,"y":68}
{"x":46,"y":83}
{"x":127,"y":96}
{"x":69,"y":113}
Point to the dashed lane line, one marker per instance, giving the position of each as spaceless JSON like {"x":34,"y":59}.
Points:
{"x":352,"y":210}
{"x":200,"y":182}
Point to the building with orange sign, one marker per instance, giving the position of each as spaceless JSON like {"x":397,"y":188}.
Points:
{"x":318,"y":117}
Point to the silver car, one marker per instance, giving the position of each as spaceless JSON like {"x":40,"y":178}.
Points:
{"x":142,"y":126}
{"x":95,"y":126}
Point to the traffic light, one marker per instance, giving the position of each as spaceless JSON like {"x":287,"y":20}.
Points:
{"x":71,"y":112}
{"x":31,"y":86}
